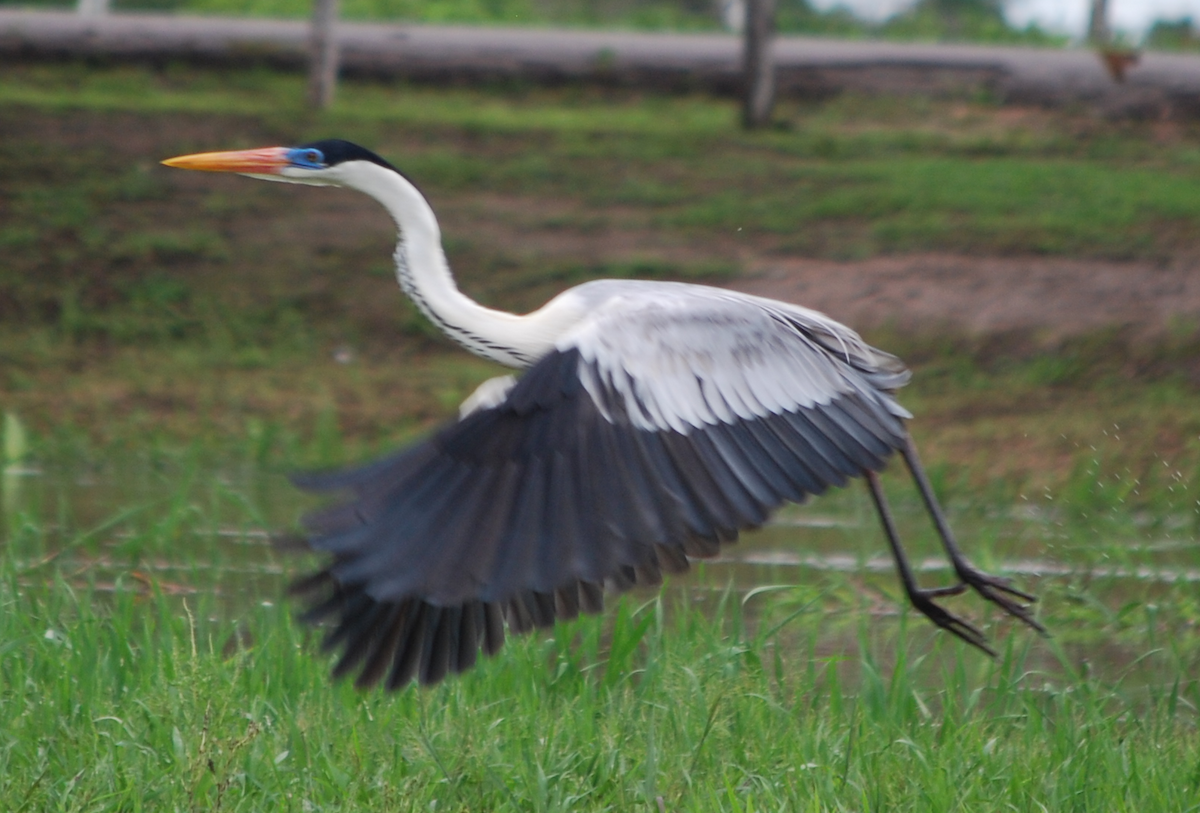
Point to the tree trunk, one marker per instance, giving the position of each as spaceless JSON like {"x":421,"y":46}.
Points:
{"x":323,"y":55}
{"x":1098,"y":32}
{"x":758,"y":63}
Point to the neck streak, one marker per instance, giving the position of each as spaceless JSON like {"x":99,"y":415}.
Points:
{"x":424,"y":275}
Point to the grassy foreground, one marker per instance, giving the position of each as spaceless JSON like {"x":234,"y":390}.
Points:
{"x":147,"y":693}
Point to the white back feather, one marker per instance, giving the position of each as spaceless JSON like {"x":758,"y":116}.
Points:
{"x":683,"y":356}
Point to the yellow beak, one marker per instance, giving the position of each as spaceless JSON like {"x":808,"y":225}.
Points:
{"x":264,"y":161}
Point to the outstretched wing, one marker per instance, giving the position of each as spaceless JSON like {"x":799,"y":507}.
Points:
{"x":654,"y":432}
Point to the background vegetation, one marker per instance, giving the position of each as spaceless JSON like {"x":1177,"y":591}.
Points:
{"x":948,"y":20}
{"x":1174,"y":35}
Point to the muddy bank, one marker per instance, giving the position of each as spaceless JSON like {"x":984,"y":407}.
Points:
{"x":1052,"y":298}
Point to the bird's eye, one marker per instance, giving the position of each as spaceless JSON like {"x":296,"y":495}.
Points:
{"x":307,"y":158}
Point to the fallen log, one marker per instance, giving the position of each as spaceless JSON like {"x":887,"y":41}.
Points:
{"x":1157,"y":86}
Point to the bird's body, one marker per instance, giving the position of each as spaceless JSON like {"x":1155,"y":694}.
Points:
{"x":654,"y":421}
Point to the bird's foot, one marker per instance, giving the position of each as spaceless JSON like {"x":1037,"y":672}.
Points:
{"x":923,"y":601}
{"x":952,"y":590}
{"x":1000,"y":592}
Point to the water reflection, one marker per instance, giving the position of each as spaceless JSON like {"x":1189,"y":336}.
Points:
{"x":1110,"y":585}
{"x":1014,"y":567}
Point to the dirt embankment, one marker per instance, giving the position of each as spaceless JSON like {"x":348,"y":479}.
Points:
{"x":1052,"y":298}
{"x":1044,"y":298}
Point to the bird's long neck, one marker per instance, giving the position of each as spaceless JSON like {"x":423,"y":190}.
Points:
{"x":425,"y":277}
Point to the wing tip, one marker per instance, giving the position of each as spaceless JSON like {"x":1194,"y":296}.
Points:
{"x":410,"y":640}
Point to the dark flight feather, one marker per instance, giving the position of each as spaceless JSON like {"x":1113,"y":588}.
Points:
{"x":519,"y":513}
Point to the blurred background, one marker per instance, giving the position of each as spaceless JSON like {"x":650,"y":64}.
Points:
{"x":173,"y":345}
{"x":1158,"y":23}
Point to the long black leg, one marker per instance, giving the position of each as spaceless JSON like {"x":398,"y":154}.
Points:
{"x":922,"y":600}
{"x":993,"y":588}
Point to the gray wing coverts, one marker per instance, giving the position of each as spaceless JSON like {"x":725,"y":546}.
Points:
{"x":579,"y":481}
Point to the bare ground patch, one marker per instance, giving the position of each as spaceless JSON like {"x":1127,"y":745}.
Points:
{"x":1052,"y":297}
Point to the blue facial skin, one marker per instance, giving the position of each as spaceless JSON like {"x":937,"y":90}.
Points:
{"x":306,"y":158}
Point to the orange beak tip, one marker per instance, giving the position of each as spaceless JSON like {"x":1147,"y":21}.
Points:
{"x":265,"y":161}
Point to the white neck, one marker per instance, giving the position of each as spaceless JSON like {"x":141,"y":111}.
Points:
{"x":424,"y":274}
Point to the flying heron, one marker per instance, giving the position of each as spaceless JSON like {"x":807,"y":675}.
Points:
{"x":653,"y":422}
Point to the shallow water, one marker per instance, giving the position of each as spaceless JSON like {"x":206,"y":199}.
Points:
{"x":1118,"y":590}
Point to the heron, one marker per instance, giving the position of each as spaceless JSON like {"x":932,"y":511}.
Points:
{"x":652,"y":423}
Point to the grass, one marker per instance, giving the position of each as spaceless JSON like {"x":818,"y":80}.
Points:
{"x":142,"y":670}
{"x":649,"y":14}
{"x":171,"y":344}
